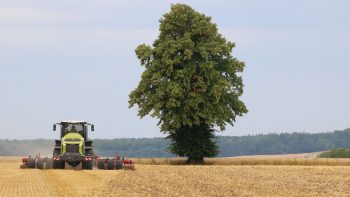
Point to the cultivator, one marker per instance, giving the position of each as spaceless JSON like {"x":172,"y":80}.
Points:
{"x":115,"y":163}
{"x":37,"y":162}
{"x":74,"y":150}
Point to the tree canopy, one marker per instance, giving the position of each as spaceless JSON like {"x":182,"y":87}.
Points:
{"x":190,"y":74}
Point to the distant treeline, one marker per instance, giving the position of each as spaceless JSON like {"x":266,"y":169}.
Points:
{"x":336,"y":153}
{"x":284,"y":143}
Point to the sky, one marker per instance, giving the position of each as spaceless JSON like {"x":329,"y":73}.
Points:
{"x":63,"y":60}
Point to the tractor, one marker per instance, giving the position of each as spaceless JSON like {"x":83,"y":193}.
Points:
{"x":74,"y":150}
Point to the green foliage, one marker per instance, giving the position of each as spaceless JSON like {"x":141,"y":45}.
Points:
{"x":336,"y":153}
{"x":190,"y":74}
{"x":195,"y":142}
{"x":191,"y":79}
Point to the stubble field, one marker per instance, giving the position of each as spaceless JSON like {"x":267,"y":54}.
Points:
{"x":177,"y":180}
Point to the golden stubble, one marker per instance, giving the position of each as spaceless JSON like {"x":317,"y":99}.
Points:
{"x":178,"y":180}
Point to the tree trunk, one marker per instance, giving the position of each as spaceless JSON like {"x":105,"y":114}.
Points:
{"x":195,"y":160}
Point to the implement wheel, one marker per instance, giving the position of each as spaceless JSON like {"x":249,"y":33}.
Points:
{"x":40,"y":163}
{"x":110,"y":165}
{"x":119,"y":165}
{"x":49,"y":163}
{"x":31,"y":163}
{"x":101,"y":164}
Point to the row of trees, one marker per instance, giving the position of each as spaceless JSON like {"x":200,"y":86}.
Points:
{"x":228,"y":146}
{"x":284,"y":143}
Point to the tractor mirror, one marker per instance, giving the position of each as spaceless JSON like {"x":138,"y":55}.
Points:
{"x":54,"y":127}
{"x":92,"y":127}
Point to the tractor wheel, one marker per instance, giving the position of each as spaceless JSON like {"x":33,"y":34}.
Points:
{"x":110,"y":164}
{"x":31,"y":163}
{"x":119,"y":164}
{"x":57,"y":164}
{"x":101,"y":164}
{"x":49,"y":163}
{"x":40,"y":163}
{"x":89,"y":152}
{"x":87,"y":165}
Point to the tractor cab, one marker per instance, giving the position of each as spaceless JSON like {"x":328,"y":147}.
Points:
{"x":80,"y":127}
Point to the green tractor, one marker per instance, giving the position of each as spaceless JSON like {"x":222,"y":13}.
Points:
{"x":73,"y":149}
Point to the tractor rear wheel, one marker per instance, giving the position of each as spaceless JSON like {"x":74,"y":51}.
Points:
{"x":110,"y":164}
{"x":101,"y":164}
{"x":87,"y":165}
{"x":57,"y":164}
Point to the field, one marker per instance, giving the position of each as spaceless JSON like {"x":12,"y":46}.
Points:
{"x":216,"y":179}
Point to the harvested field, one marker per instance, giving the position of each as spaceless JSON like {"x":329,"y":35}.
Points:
{"x":249,"y":160}
{"x":177,"y":180}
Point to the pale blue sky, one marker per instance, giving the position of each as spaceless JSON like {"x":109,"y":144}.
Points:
{"x":75,"y":60}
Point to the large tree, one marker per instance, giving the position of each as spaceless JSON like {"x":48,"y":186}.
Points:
{"x":191,"y":82}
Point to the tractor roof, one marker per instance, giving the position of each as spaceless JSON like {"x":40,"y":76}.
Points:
{"x":73,"y":121}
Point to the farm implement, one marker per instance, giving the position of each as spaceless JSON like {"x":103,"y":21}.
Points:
{"x":116,"y":163}
{"x":75,"y":151}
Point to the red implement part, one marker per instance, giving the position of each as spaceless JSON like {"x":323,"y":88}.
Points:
{"x":128,"y":164}
{"x":24,"y":163}
{"x":96,"y":158}
{"x":30,"y":162}
{"x":115,"y":163}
